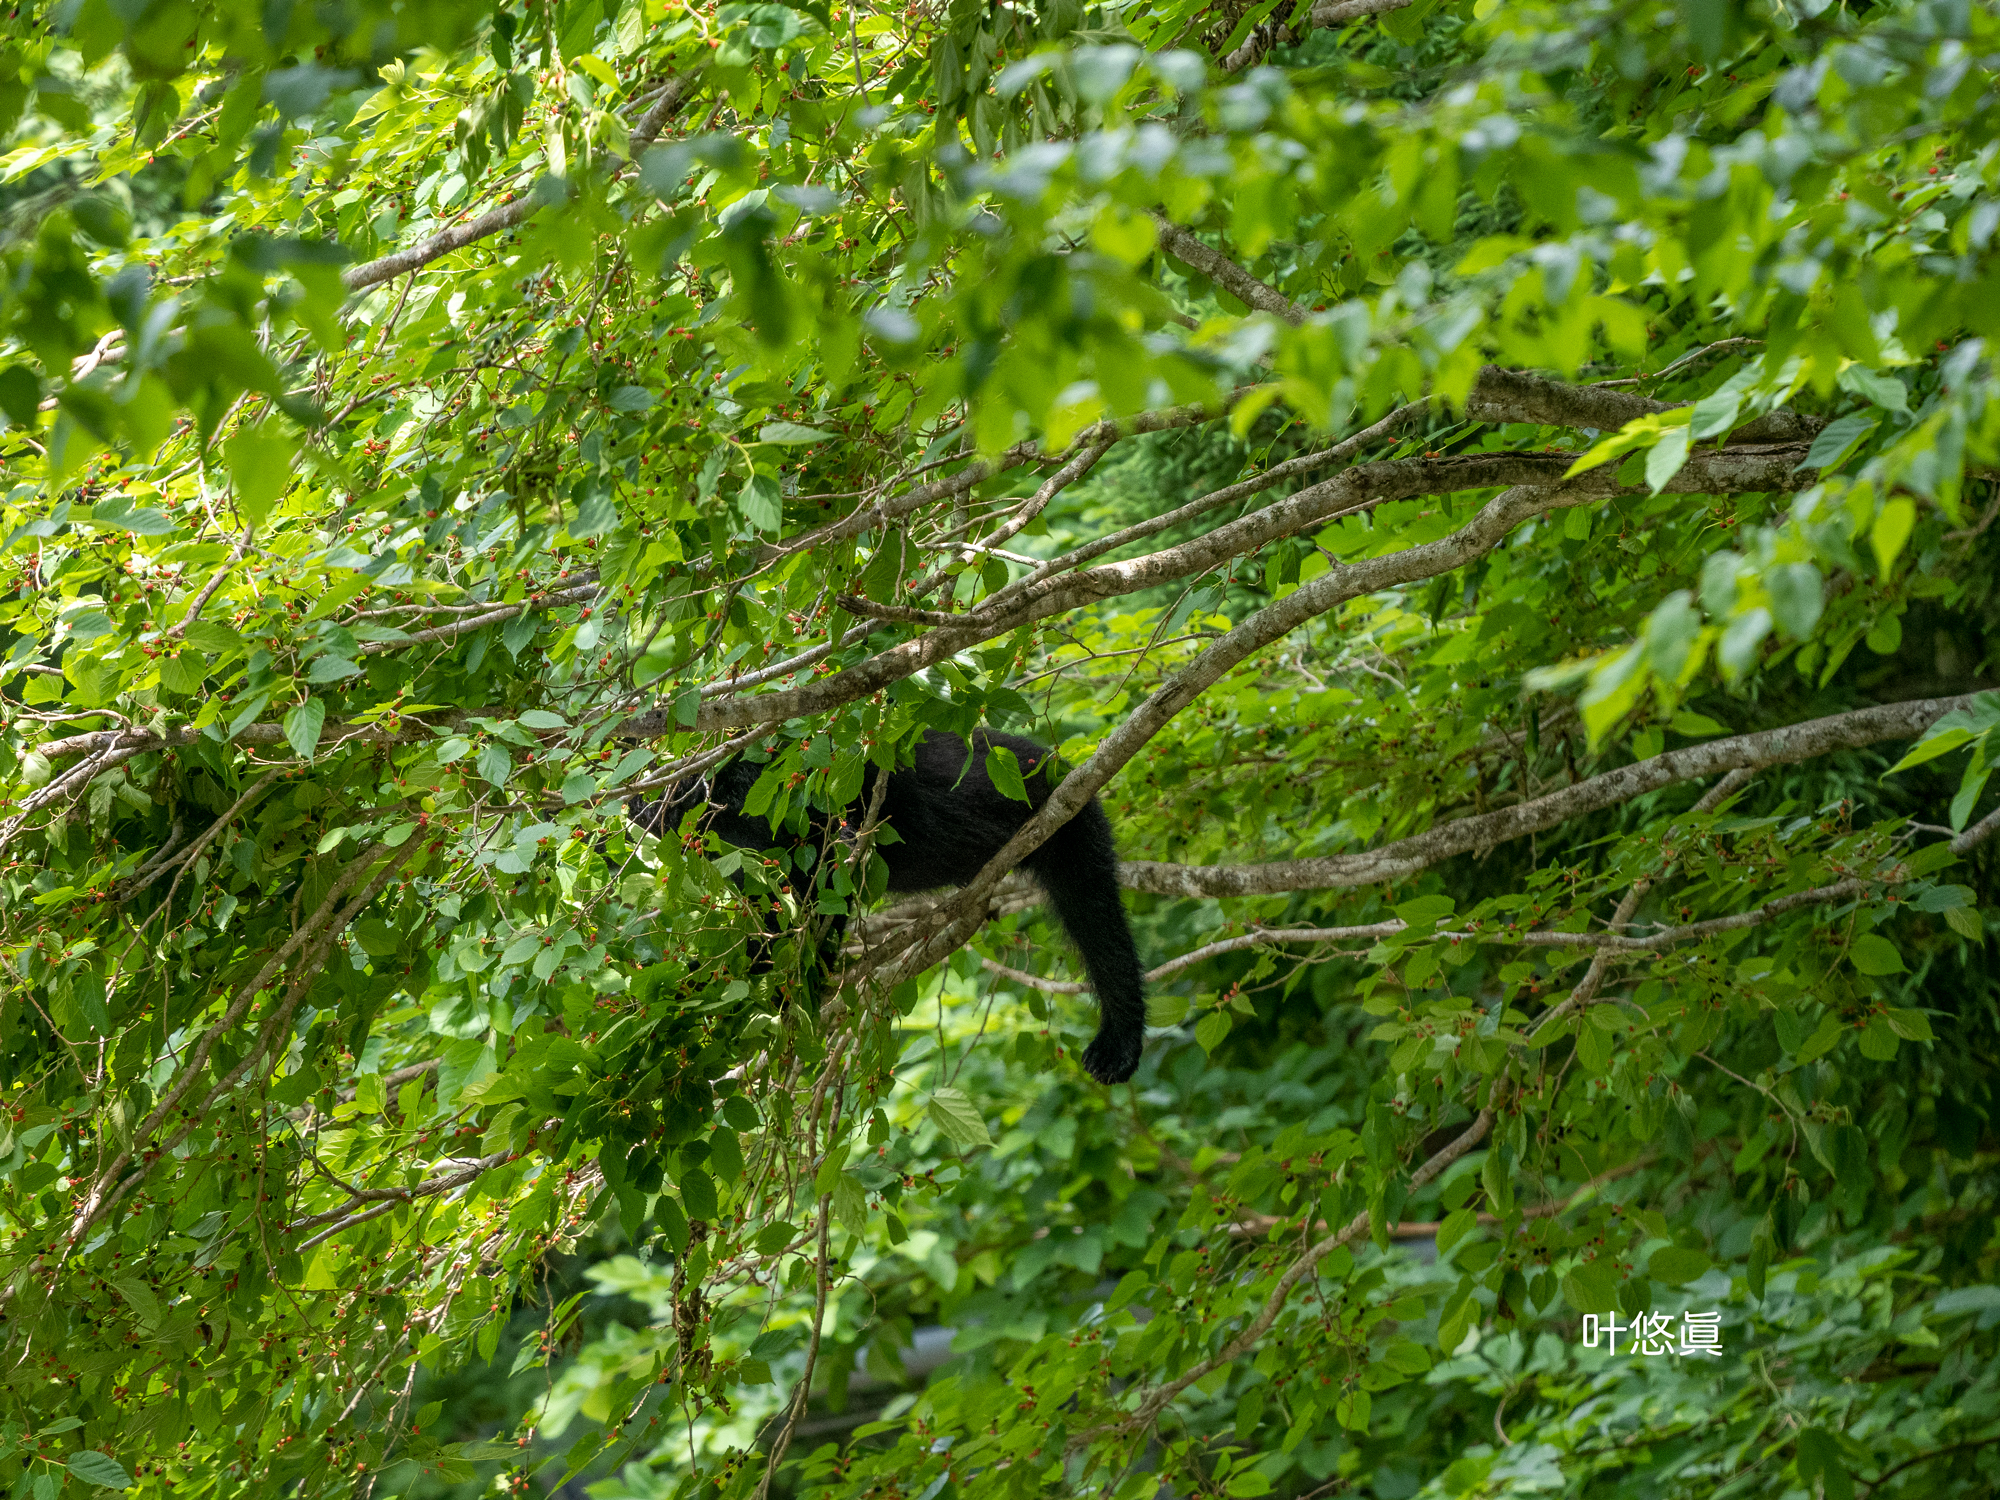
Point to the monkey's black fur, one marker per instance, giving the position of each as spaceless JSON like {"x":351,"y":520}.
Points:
{"x":950,"y":819}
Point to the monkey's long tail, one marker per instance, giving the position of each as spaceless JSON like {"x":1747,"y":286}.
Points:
{"x":1078,"y":868}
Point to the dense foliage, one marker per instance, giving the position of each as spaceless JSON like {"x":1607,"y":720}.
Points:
{"x":1494,"y":497}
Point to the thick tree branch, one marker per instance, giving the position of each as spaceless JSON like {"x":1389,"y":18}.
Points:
{"x":1328,"y":13}
{"x":1503,"y":395}
{"x":1405,"y":857}
{"x":677,"y":92}
{"x":1186,"y":246}
{"x":1340,"y":12}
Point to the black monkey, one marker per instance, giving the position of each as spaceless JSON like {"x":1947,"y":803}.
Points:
{"x":950,"y":819}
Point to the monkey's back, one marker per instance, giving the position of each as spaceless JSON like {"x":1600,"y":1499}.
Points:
{"x":948,"y":815}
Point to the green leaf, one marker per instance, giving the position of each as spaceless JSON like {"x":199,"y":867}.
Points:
{"x":698,"y":1194}
{"x":1940,"y":740}
{"x":1878,"y":1040}
{"x":1638,"y":433}
{"x":1716,"y":414}
{"x":762,"y":503}
{"x":100,"y":1469}
{"x":1826,"y":1036}
{"x":1665,"y":459}
{"x":1675,"y":1265}
{"x":958,"y":1119}
{"x":1130,"y":1285}
{"x":1880,"y":387}
{"x":1759,"y":1263}
{"x":850,"y":1203}
{"x":1819,"y":1462}
{"x":247,"y":714}
{"x":1966,"y":922}
{"x":1671,"y":632}
{"x":1797,"y":597}
{"x":1893,"y":525}
{"x":183,"y":672}
{"x":140,"y":1298}
{"x":768,"y":27}
{"x":1836,"y":439}
{"x":673,"y":1223}
{"x":1352,"y":1408}
{"x":1005,"y":772}
{"x":506,"y":1449}
{"x":1425,"y":910}
{"x":1592,"y":1286}
{"x":1695,"y":726}
{"x":1454,"y":1327}
{"x":329,"y":668}
{"x":1406,"y":1357}
{"x":145,"y":521}
{"x":213,"y":636}
{"x":1940,"y":898}
{"x":829,"y":1173}
{"x":1874,"y":954}
{"x":1970,"y":785}
{"x":260,"y":469}
{"x":1211,"y":1029}
{"x":20,"y":394}
{"x":1456,"y":1226}
{"x":302,"y":727}
{"x":792,"y":432}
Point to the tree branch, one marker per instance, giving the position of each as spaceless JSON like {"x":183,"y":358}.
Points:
{"x":97,"y":1201}
{"x":1503,"y":395}
{"x":1186,"y":246}
{"x":1340,"y":12}
{"x":1155,"y":1400}
{"x":388,"y":1200}
{"x":577,"y":594}
{"x":507,"y":215}
{"x":1404,"y":857}
{"x":1536,"y":485}
{"x":874,"y":517}
{"x":1410,"y":1229}
{"x":1262,"y":937}
{"x":423,"y":252}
